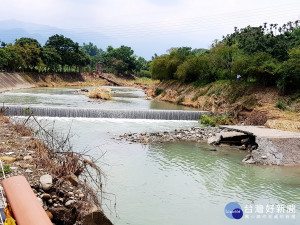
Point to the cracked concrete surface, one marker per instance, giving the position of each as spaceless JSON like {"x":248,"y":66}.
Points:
{"x":275,"y":147}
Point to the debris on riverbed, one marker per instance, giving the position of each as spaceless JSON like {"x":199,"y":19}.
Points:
{"x":100,"y":93}
{"x":266,"y":146}
{"x":211,"y":135}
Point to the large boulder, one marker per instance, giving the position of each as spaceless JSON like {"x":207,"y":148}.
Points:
{"x":63,"y":215}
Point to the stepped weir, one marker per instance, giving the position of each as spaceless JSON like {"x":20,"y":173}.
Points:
{"x":102,"y":113}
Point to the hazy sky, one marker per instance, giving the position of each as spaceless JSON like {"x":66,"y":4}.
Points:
{"x":155,"y":25}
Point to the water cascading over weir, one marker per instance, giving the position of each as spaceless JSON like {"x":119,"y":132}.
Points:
{"x":102,"y":113}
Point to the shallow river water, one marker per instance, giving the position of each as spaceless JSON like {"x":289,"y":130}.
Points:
{"x":170,"y":184}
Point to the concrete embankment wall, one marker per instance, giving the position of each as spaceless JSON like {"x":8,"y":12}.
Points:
{"x":12,"y":81}
{"x":277,"y":151}
{"x":275,"y":147}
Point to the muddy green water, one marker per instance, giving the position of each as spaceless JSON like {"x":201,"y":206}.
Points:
{"x":169,"y":184}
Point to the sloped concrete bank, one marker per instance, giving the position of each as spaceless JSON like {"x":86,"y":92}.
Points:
{"x":13,"y":81}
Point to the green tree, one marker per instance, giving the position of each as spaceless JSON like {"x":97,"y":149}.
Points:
{"x":29,"y":49}
{"x":14,"y":59}
{"x":240,"y":66}
{"x":222,"y":57}
{"x":27,"y":41}
{"x":3,"y":58}
{"x":159,"y":68}
{"x":81,"y":59}
{"x":264,"y":39}
{"x":91,"y":49}
{"x":65,"y":47}
{"x":120,"y":60}
{"x":141,"y":64}
{"x":96,"y":54}
{"x":50,"y":58}
{"x":196,"y":68}
{"x":165,"y":67}
{"x":262,"y":67}
{"x":199,"y":51}
{"x":289,"y":71}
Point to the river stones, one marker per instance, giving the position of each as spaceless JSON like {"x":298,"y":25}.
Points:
{"x":69,"y":203}
{"x":27,"y":157}
{"x":8,"y":159}
{"x":214,"y":140}
{"x":46,"y":182}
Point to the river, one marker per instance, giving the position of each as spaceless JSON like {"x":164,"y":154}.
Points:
{"x":176,"y":183}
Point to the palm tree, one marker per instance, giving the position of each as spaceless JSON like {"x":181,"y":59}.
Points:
{"x":275,"y":26}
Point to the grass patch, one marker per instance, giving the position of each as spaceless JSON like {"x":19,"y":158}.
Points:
{"x":230,"y":90}
{"x":100,"y":93}
{"x":158,"y":91}
{"x":295,"y":97}
{"x":201,"y":92}
{"x":215,"y":120}
{"x":281,"y":105}
{"x":179,"y":100}
{"x":6,"y":169}
{"x":146,"y":81}
{"x":249,"y":102}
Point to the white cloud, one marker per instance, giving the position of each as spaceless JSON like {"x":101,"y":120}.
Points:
{"x":134,"y":13}
{"x":173,"y":21}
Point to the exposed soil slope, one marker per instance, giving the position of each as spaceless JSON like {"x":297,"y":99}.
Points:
{"x":250,"y":104}
{"x":63,"y":79}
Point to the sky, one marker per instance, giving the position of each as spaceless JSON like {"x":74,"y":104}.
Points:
{"x":152,"y":26}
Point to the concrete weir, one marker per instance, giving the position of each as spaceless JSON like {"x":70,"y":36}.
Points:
{"x":275,"y":147}
{"x":102,"y":113}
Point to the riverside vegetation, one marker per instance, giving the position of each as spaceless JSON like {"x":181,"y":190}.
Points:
{"x":267,"y":58}
{"x":268,"y":55}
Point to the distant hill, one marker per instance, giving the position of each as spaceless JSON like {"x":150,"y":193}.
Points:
{"x":10,"y":30}
{"x":144,"y":44}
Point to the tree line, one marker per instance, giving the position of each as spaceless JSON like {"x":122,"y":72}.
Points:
{"x":62,"y":54}
{"x":268,"y":55}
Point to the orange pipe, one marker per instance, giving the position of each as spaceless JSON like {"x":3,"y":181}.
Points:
{"x":26,"y":208}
